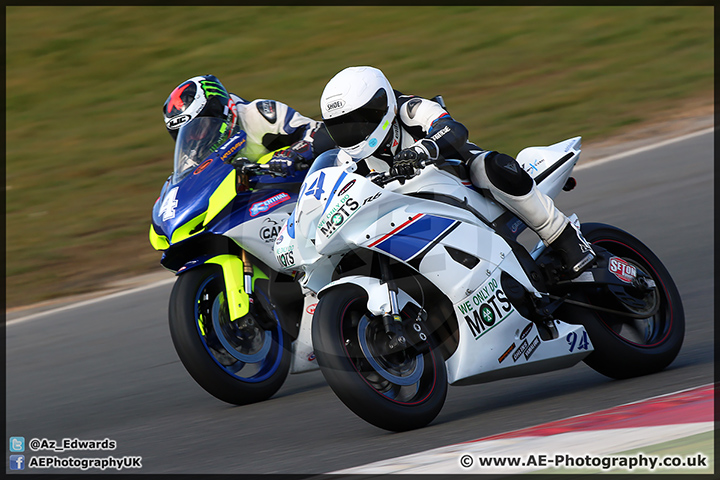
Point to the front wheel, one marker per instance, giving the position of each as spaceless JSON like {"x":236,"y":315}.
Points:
{"x":628,"y":347}
{"x":398,"y":391}
{"x":237,"y":362}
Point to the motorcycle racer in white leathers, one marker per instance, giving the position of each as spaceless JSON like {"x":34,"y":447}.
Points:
{"x":383,"y":130}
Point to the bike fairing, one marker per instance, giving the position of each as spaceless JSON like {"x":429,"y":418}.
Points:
{"x":190,"y":204}
{"x":486,"y":307}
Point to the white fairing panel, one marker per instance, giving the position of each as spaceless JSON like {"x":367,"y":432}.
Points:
{"x":303,"y":358}
{"x":495,"y":341}
{"x":258,"y":235}
{"x":551,"y":166}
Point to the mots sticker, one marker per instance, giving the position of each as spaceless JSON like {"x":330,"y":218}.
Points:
{"x":285,"y":256}
{"x":485,"y":309}
{"x":622,"y":269}
{"x":338,"y":215}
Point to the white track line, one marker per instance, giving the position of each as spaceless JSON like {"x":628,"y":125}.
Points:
{"x":635,"y":151}
{"x":90,"y":302}
{"x":594,"y":163}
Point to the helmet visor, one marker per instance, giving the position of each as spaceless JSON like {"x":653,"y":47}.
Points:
{"x":195,"y":141}
{"x":354,"y":127}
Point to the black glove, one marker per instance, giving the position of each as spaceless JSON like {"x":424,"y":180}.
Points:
{"x":405,"y":166}
{"x":407,"y":160}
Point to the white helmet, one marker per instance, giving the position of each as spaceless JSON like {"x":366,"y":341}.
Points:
{"x":358,"y":107}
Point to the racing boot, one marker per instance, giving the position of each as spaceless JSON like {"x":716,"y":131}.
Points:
{"x":515,"y":189}
{"x":575,"y":251}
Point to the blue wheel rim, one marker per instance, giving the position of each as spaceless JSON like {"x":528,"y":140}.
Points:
{"x":254,"y":367}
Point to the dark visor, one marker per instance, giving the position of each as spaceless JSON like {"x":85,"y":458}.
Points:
{"x":354,"y":127}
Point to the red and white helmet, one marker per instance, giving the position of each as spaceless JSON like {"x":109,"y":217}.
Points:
{"x":202,"y":96}
{"x":358,"y":107}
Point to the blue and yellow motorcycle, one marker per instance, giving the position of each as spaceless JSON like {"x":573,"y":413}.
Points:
{"x":233,"y":318}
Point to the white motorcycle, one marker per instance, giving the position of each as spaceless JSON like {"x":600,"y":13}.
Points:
{"x":422,"y":283}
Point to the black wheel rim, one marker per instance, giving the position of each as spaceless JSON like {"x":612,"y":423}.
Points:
{"x":649,"y":331}
{"x":405,"y":377}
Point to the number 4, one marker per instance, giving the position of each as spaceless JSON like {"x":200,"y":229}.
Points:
{"x":316,"y":188}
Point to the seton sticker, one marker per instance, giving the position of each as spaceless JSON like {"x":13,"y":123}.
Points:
{"x":622,"y":269}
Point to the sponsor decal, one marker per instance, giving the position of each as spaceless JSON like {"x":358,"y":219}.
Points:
{"x":439,"y":134}
{"x":523,"y":346}
{"x":233,"y":149}
{"x":259,"y":207}
{"x":311,"y":308}
{"x":267,"y":109}
{"x":176,"y":122}
{"x":285,"y":256}
{"x":338,"y":215}
{"x":213,"y":89}
{"x":532,"y":347}
{"x":311,"y":357}
{"x":335,"y":105}
{"x":516,"y":226}
{"x":622,"y":269}
{"x":202,"y":166}
{"x":373,"y":142}
{"x":167,"y":209}
{"x":507,"y":352}
{"x":533,"y":166}
{"x":286,"y":259}
{"x":346,"y":187}
{"x":525,"y":331}
{"x":269,"y":230}
{"x":371,"y":198}
{"x":484,"y":309}
{"x":412,"y":107}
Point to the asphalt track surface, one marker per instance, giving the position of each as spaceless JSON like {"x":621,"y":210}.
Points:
{"x":108,"y":369}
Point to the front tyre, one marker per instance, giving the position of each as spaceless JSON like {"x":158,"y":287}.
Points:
{"x":629,"y":347}
{"x":399,"y":391}
{"x":237,"y":362}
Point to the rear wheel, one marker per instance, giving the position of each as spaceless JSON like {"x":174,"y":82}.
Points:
{"x":237,"y":362}
{"x":628,"y":347}
{"x":397,"y":391}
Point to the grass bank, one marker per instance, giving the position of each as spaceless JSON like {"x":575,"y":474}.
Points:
{"x":87,"y":150}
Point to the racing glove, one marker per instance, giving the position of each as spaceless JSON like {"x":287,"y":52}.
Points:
{"x":283,"y":162}
{"x":409,"y":159}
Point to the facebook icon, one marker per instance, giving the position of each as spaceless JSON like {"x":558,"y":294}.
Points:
{"x":17,"y":462}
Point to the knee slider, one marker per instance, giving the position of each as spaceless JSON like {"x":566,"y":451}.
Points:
{"x":505,"y":173}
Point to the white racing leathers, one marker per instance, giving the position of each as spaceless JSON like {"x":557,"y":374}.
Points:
{"x":421,"y":120}
{"x":274,"y":125}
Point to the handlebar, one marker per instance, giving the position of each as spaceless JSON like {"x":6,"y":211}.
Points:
{"x":244,"y":166}
{"x":383,"y":178}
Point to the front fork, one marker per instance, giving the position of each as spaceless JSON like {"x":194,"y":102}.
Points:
{"x":401,"y":333}
{"x":239,"y":275}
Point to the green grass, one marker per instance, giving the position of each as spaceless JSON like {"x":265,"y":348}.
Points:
{"x":688,"y":449}
{"x":87,"y":150}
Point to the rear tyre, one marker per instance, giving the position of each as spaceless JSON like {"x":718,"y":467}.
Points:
{"x":628,"y":347}
{"x":236,"y":362}
{"x":399,"y":391}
